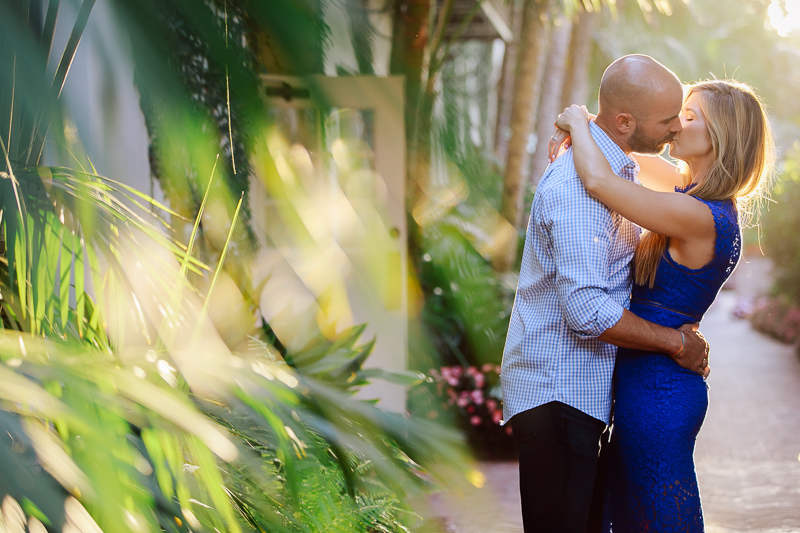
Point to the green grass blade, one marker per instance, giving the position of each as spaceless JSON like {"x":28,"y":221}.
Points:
{"x":207,"y":302}
{"x":61,"y":74}
{"x":209,"y":475}
{"x":53,"y":247}
{"x":49,"y":26}
{"x":166,"y":333}
{"x":40,"y":269}
{"x":97,"y":284}
{"x":193,"y":237}
{"x":20,"y":250}
{"x":80,"y":294}
{"x":72,"y":46}
{"x":65,"y":269}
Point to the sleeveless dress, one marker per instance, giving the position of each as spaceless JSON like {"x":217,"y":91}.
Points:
{"x":658,"y":405}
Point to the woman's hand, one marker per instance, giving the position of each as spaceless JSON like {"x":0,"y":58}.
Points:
{"x":572,"y":117}
{"x":559,"y":138}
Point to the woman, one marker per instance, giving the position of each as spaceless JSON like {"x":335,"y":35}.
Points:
{"x":692,"y":245}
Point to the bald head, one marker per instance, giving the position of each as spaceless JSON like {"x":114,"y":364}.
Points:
{"x":640,"y":100}
{"x":632,"y":83}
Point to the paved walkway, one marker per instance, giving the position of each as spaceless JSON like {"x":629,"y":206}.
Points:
{"x":748,"y":452}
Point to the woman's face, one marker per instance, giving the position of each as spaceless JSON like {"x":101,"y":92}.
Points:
{"x":692,"y":143}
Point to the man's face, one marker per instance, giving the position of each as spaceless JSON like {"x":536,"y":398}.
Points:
{"x":654,"y":132}
{"x":641,"y":143}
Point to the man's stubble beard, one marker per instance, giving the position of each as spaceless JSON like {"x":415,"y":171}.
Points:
{"x":641,"y":143}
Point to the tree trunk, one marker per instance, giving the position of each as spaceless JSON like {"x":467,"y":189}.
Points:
{"x":409,"y":42}
{"x":409,"y":39}
{"x":550,"y":105}
{"x":576,"y":85}
{"x":527,"y":85}
{"x":362,"y":34}
{"x":505,"y":87}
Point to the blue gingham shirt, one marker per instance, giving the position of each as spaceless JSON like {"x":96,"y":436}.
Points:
{"x":573,"y":285}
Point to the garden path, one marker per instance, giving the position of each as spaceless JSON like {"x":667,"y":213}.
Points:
{"x":747,"y":453}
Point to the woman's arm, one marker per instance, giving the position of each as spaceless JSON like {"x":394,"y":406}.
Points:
{"x":658,"y":174}
{"x":668,"y":213}
{"x":655,"y":172}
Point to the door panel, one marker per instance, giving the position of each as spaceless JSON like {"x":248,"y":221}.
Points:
{"x":330,"y":215}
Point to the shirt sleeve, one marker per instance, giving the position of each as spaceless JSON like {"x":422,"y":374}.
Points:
{"x":581,"y":231}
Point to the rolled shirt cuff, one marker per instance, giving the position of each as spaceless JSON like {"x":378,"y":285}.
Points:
{"x":606,"y":317}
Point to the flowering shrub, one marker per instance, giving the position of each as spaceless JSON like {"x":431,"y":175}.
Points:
{"x":778,"y":318}
{"x":472,"y":397}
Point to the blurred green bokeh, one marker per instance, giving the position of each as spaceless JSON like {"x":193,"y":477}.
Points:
{"x":192,"y":357}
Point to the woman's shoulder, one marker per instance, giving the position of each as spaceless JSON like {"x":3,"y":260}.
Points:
{"x":726,"y":223}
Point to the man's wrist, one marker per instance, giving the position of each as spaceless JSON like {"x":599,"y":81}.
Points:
{"x":679,"y":351}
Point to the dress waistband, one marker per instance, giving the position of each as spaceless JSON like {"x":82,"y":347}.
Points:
{"x":694,"y":318}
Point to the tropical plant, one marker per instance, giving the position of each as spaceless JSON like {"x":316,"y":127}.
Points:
{"x":472,"y":397}
{"x":779,"y":222}
{"x":122,"y":407}
{"x":776,"y":316}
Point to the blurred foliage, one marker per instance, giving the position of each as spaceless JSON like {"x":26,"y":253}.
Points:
{"x":464,"y":315}
{"x":778,"y":317}
{"x":706,"y":39}
{"x":122,"y":409}
{"x":780,"y":222}
{"x":122,"y":406}
{"x":466,"y":303}
{"x":471,"y":398}
{"x":204,"y":75}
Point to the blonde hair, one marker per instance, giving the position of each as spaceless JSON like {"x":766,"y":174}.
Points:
{"x":744,"y":153}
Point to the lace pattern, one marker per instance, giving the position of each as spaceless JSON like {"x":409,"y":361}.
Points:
{"x":659,"y":406}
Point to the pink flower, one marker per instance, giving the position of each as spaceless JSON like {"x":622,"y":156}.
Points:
{"x":480,"y":380}
{"x":452,"y":380}
{"x":491,"y":404}
{"x":462,"y":401}
{"x":477,"y":397}
{"x":472,"y":371}
{"x":471,"y":409}
{"x":508,"y":430}
{"x":456,"y":371}
{"x":488,"y":367}
{"x":497,"y":416}
{"x":475,"y":420}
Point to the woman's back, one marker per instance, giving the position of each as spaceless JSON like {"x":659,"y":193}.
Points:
{"x":680,"y":294}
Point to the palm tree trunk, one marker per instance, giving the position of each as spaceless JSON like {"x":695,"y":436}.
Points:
{"x":527,"y":86}
{"x":409,"y":42}
{"x":362,"y":34}
{"x":505,"y":87}
{"x":576,"y":85}
{"x":555,"y":73}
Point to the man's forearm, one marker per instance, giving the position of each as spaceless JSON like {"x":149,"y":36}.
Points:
{"x":685,"y":345}
{"x":634,"y":332}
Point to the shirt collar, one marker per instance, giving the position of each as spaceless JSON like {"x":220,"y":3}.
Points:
{"x":621,"y":164}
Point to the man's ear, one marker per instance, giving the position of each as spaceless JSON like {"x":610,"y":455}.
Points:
{"x":625,"y":123}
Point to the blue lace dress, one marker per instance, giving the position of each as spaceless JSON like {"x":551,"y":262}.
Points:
{"x":659,"y":406}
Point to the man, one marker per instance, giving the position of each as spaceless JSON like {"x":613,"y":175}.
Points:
{"x":571,"y":302}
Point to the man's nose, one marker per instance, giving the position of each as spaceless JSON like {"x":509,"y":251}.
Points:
{"x":677,"y":125}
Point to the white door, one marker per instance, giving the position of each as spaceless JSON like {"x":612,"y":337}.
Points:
{"x":329,"y":209}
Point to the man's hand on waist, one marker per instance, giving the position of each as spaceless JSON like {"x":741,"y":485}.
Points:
{"x":693,"y":354}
